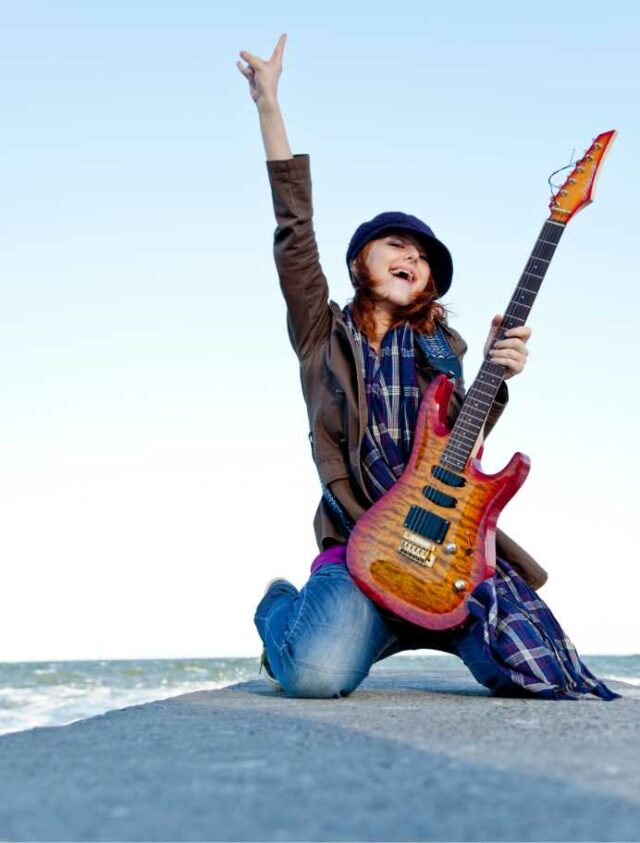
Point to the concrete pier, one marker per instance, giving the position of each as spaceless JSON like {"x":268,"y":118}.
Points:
{"x":409,"y":756}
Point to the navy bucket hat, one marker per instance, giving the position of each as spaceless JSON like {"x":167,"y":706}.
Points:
{"x":437,"y":253}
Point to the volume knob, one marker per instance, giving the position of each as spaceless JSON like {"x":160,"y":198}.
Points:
{"x":450,"y":547}
{"x":460,"y":585}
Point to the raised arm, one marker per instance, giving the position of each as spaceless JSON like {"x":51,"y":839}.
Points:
{"x":263,"y":76}
{"x":302,"y":280}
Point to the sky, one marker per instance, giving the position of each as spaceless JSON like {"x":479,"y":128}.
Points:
{"x":155,"y":470}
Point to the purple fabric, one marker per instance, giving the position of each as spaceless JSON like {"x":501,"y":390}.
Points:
{"x":334,"y":555}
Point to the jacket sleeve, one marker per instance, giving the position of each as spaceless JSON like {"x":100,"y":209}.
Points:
{"x":302,"y":280}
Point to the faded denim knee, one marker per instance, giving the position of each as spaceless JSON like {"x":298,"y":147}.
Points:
{"x":316,"y":681}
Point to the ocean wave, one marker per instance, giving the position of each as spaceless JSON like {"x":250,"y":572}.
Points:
{"x":22,"y":709}
{"x":35,"y":694}
{"x":630,"y":680}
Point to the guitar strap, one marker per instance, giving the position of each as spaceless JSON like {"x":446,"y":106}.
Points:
{"x":438,"y":352}
{"x":440,"y":357}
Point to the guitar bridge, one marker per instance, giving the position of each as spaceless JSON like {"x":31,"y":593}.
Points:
{"x":417,"y":549}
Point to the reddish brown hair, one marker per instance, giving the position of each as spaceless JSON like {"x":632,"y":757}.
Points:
{"x":421,"y":314}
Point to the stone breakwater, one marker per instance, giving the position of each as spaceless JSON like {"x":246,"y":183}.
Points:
{"x":409,"y":756}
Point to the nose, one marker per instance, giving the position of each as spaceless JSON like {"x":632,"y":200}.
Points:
{"x":412,"y":251}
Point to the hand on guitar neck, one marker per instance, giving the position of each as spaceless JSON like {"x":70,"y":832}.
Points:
{"x":511,"y":351}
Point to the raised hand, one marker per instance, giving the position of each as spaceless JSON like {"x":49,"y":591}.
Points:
{"x":263,"y":74}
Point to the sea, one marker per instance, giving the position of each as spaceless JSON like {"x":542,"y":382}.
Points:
{"x":56,"y":693}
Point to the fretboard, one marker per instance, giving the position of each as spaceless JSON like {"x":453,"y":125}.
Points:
{"x":482,"y":393}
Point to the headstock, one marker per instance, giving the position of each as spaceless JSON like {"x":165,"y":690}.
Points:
{"x":578,"y":188}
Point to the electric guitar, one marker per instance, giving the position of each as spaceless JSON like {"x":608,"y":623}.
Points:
{"x":422,"y":548}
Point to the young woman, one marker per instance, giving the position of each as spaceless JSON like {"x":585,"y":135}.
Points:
{"x":363,"y":370}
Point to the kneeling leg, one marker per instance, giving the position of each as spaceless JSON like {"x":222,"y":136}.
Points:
{"x":322,"y":640}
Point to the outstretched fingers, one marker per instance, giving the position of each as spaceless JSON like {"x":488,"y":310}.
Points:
{"x":263,"y":74}
{"x":254,"y":62}
{"x":278,"y":50}
{"x":246,"y":70}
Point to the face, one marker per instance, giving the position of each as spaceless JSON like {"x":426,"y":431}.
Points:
{"x":398,"y":266}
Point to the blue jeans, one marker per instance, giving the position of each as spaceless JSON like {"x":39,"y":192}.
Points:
{"x":322,"y":640}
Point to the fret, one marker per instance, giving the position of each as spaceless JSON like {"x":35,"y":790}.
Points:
{"x":453,"y":452}
{"x":542,"y":252}
{"x":477,"y":397}
{"x":452,"y":447}
{"x":516,"y":304}
{"x":462,"y":457}
{"x":465,"y":446}
{"x":523,"y":304}
{"x":533,"y":274}
{"x":509,"y":323}
{"x":465,"y":434}
{"x":455,"y":464}
{"x":551,"y":231}
{"x":517,"y":312}
{"x":473,"y":427}
{"x":535,"y":262}
{"x":480,"y":389}
{"x":491,"y":380}
{"x":472,"y":419}
{"x":467,"y":418}
{"x":515,"y":320}
{"x":449,"y":455}
{"x":476,"y":403}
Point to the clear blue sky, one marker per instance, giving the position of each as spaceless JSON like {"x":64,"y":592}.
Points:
{"x":147,"y":382}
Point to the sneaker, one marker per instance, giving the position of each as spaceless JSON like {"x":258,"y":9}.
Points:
{"x":268,"y":677}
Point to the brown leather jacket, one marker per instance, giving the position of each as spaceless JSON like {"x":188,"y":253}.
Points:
{"x":331,"y":377}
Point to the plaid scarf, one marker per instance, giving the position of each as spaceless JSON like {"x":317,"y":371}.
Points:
{"x":393,"y":396}
{"x":513,"y":643}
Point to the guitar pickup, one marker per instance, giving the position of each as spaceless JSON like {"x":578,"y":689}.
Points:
{"x":426,"y":524}
{"x":447,"y":477}
{"x":438,"y":497}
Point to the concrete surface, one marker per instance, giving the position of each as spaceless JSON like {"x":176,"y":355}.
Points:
{"x":409,"y":756}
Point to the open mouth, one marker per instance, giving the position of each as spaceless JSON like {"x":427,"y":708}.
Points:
{"x":403,"y":274}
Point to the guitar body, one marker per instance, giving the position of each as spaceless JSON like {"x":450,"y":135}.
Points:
{"x":422,"y":548}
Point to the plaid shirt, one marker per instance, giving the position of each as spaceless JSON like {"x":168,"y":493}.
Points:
{"x":512,"y":642}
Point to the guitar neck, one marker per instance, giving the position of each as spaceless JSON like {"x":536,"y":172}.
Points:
{"x":482,"y":393}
